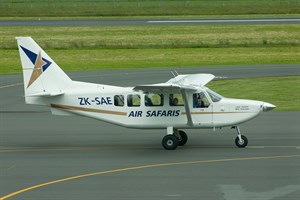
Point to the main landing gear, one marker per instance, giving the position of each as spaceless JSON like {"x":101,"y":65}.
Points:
{"x":241,"y":141}
{"x":174,"y":138}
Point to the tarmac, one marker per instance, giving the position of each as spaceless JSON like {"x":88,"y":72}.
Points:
{"x":145,"y":21}
{"x":54,"y":157}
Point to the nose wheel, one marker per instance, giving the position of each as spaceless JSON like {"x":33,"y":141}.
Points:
{"x":241,"y":141}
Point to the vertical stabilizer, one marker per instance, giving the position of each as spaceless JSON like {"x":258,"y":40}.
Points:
{"x":42,"y":76}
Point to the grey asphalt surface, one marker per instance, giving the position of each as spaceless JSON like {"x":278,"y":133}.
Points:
{"x":36,"y":148}
{"x":142,"y":22}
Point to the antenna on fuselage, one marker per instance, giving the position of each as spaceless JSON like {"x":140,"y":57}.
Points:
{"x":174,"y":73}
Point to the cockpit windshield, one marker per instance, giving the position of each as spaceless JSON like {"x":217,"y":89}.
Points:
{"x":215,"y":97}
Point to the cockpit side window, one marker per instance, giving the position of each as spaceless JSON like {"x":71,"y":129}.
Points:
{"x":200,"y":100}
{"x":133,"y":100}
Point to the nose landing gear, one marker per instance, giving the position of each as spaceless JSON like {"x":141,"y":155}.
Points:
{"x":241,"y":141}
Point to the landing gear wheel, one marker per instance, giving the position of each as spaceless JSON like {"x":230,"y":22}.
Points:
{"x":170,"y":142}
{"x":182,"y":139}
{"x":243,"y":143}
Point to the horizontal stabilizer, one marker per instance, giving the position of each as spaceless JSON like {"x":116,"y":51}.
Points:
{"x":45,"y":94}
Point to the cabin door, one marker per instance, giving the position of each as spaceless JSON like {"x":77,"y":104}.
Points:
{"x":202,"y":110}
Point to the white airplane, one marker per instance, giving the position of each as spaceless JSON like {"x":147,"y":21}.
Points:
{"x":183,"y":102}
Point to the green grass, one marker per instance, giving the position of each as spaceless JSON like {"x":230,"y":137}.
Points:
{"x":107,"y":47}
{"x":280,"y":91}
{"x":137,"y":37}
{"x":98,"y":59}
{"x":27,"y":8}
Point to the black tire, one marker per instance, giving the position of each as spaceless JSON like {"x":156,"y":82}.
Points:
{"x":241,"y":144}
{"x":183,"y":138}
{"x":170,"y":142}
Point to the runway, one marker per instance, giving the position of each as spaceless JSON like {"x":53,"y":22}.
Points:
{"x":143,"y":22}
{"x":51,"y":157}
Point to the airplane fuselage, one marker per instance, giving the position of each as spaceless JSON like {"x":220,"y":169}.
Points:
{"x":99,"y":102}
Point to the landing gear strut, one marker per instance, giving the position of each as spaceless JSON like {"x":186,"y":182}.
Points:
{"x":174,"y":138}
{"x":241,"y":141}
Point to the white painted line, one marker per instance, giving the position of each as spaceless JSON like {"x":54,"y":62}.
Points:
{"x":12,"y":85}
{"x":221,"y":77}
{"x":225,"y":20}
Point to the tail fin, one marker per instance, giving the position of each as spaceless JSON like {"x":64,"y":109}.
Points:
{"x":42,"y":76}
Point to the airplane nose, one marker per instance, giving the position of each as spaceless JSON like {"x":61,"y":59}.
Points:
{"x":268,"y":106}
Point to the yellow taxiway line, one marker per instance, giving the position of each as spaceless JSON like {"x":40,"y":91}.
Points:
{"x":143,"y":167}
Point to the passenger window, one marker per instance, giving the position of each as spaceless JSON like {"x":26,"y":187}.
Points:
{"x":133,"y":100}
{"x":176,"y":100}
{"x":119,"y":100}
{"x":200,"y":100}
{"x":154,"y":99}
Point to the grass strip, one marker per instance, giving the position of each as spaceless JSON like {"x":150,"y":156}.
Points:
{"x":98,"y":59}
{"x":138,"y":37}
{"x":280,"y":91}
{"x":106,"y":47}
{"x":158,"y":17}
{"x":144,"y":7}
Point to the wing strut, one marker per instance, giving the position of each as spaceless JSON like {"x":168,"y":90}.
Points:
{"x":187,"y":108}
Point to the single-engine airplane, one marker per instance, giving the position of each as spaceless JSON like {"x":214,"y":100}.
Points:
{"x":183,"y":102}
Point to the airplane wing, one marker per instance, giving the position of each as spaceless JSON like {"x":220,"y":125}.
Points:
{"x":182,"y":84}
{"x":192,"y":79}
{"x":160,"y":87}
{"x":178,"y":83}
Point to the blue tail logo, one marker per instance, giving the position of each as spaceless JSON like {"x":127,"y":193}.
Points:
{"x":40,"y":64}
